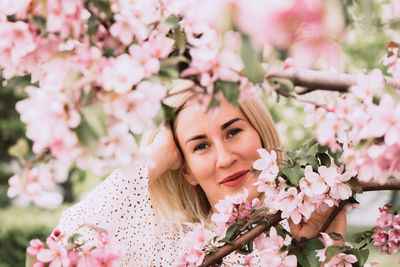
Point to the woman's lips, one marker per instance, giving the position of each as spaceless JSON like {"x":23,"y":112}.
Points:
{"x":235,"y":179}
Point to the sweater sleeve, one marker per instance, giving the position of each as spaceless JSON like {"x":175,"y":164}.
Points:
{"x":121,"y":206}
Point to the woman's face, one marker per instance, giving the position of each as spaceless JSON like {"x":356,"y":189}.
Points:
{"x":219,"y":149}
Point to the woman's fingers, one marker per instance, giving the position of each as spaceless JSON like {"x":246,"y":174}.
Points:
{"x":312,"y":227}
{"x":164,"y":153}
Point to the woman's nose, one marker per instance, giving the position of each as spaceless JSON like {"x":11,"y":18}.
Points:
{"x":225,"y":157}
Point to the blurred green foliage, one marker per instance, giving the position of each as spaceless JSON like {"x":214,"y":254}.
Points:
{"x":13,"y":244}
{"x":11,"y":128}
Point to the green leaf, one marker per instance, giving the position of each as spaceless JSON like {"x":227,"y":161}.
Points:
{"x":138,"y":138}
{"x":95,"y":118}
{"x":355,"y":185}
{"x":20,"y":149}
{"x":213,"y":103}
{"x":362,"y":259}
{"x":73,"y":239}
{"x":230,"y":90}
{"x":231,"y":230}
{"x":86,"y":136}
{"x":324,"y":159}
{"x":165,"y":113}
{"x":251,"y":60}
{"x":322,"y":149}
{"x":313,"y":149}
{"x":357,"y":237}
{"x":294,"y":174}
{"x":180,"y":40}
{"x":71,"y":80}
{"x":102,"y":5}
{"x":93,"y":24}
{"x":172,"y":21}
{"x":40,"y":22}
{"x":260,"y":210}
{"x":109,"y":52}
{"x":332,"y":251}
{"x":336,"y":236}
{"x":307,"y":257}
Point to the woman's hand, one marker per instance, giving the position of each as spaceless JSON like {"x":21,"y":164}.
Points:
{"x":164,"y":153}
{"x":316,"y":221}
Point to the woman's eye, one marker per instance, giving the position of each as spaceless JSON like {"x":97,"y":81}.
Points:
{"x":233,"y":132}
{"x":200,"y":147}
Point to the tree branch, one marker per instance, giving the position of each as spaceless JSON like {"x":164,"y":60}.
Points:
{"x":225,"y":250}
{"x":271,"y":220}
{"x":313,"y":80}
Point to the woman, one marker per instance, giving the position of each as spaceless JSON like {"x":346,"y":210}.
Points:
{"x":203,"y":158}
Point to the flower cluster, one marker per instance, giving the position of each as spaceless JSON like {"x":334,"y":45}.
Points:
{"x":387,"y":235}
{"x":100,"y":70}
{"x":340,"y":259}
{"x":39,"y":185}
{"x":194,"y":248}
{"x":57,"y":252}
{"x":317,"y":189}
{"x":269,"y":247}
{"x":367,"y":131}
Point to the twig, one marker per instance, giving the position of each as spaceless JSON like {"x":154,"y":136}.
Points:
{"x":317,"y":80}
{"x":274,"y":219}
{"x":332,"y":216}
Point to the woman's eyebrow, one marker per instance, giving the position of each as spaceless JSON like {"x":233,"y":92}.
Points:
{"x":228,"y":123}
{"x":223,"y":127}
{"x":196,"y":137}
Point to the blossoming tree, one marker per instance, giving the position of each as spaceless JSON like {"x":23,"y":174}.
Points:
{"x":100,"y":71}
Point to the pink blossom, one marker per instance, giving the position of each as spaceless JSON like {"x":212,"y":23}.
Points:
{"x":396,"y":8}
{"x":336,"y":181}
{"x":66,"y":17}
{"x":118,"y":146}
{"x":305,"y":53}
{"x":312,"y":184}
{"x":16,"y":42}
{"x":289,"y":202}
{"x":384,"y":220}
{"x":10,"y":7}
{"x":394,"y":239}
{"x":124,"y":73}
{"x":56,"y":254}
{"x":367,"y":85}
{"x":267,"y":165}
{"x":124,"y":29}
{"x":396,"y":222}
{"x":35,"y":245}
{"x":342,"y":259}
{"x":143,"y":55}
{"x":161,"y":46}
{"x":386,"y":120}
{"x":224,"y":208}
{"x":137,"y":108}
{"x":194,"y":243}
{"x":249,"y":261}
{"x":49,"y":125}
{"x":273,"y":242}
{"x":380,"y":237}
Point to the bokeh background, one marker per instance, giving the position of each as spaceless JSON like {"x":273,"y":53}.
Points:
{"x":21,"y":222}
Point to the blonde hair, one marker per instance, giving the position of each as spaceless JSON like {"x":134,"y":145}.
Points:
{"x":177,"y":200}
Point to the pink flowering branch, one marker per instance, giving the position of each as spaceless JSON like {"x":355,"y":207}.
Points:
{"x":313,"y":80}
{"x":272,"y":220}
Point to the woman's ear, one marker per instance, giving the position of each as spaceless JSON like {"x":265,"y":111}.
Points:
{"x":187,"y":174}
